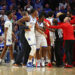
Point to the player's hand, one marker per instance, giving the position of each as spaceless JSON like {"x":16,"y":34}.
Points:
{"x":15,"y":40}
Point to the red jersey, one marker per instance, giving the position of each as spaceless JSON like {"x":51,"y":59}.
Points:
{"x":68,"y":30}
{"x":47,"y":31}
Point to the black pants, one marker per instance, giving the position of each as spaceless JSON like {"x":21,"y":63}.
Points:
{"x":68,"y":51}
{"x":25,"y":49}
{"x":52,"y":54}
{"x":59,"y":51}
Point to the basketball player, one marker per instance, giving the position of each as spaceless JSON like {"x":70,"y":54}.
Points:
{"x":8,"y":38}
{"x":30,"y":34}
{"x":48,"y":51}
{"x":40,"y":42}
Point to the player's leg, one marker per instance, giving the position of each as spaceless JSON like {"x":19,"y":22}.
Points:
{"x":38,"y":56}
{"x":31,"y":56}
{"x":3,"y":52}
{"x":49,"y":56}
{"x":43,"y":50}
{"x":11,"y":54}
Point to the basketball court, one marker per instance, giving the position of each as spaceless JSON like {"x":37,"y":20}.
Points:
{"x":7,"y":69}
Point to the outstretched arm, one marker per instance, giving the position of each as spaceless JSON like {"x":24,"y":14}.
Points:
{"x":54,"y":27}
{"x":40,"y":30}
{"x":22,"y":20}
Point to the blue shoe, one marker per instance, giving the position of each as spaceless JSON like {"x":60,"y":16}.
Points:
{"x":30,"y":64}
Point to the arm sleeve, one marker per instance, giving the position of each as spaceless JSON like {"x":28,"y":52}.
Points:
{"x":57,"y":27}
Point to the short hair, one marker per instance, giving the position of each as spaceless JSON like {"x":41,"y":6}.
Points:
{"x":50,"y":13}
{"x":8,"y":13}
{"x":42,"y":14}
{"x":32,"y":11}
{"x":55,"y":21}
{"x":62,"y":17}
{"x":58,"y":14}
{"x":24,"y":13}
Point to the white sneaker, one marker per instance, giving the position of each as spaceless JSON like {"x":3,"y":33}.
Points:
{"x":0,"y":61}
{"x":12,"y":62}
{"x":23,"y":66}
{"x":43,"y":63}
{"x":34,"y":62}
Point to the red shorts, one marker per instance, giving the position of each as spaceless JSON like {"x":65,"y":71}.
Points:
{"x":48,"y":37}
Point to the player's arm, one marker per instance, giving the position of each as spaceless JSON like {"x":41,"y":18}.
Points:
{"x":54,"y":27}
{"x":52,"y":30}
{"x":42,"y":32}
{"x":22,"y":20}
{"x":39,"y":29}
{"x":27,"y":28}
{"x":13,"y":35}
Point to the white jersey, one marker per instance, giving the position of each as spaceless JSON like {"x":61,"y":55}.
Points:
{"x":40,"y":39}
{"x":30,"y":35}
{"x":51,"y":20}
{"x":32,"y":23}
{"x":38,"y":33}
{"x":8,"y":25}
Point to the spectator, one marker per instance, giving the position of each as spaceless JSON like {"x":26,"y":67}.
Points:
{"x":38,"y":4}
{"x":19,"y":13}
{"x":63,"y":5}
{"x":47,"y":8}
{"x":3,"y":15}
{"x":2,"y":23}
{"x":28,"y":6}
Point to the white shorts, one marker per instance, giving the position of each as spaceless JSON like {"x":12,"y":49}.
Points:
{"x":41,"y":42}
{"x":32,"y":42}
{"x":30,"y":38}
{"x":9,"y":41}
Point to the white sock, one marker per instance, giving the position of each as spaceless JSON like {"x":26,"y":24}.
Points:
{"x":0,"y":60}
{"x":12,"y":61}
{"x":48,"y":61}
{"x":34,"y":62}
{"x":29,"y":60}
{"x":42,"y":58}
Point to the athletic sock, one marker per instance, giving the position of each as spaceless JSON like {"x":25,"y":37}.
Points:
{"x":34,"y":62}
{"x":12,"y":61}
{"x":29,"y":61}
{"x":0,"y":60}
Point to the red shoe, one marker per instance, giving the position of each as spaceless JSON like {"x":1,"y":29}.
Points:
{"x":49,"y":65}
{"x":68,"y":66}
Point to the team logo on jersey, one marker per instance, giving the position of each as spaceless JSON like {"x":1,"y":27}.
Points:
{"x":29,"y":39}
{"x":9,"y":40}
